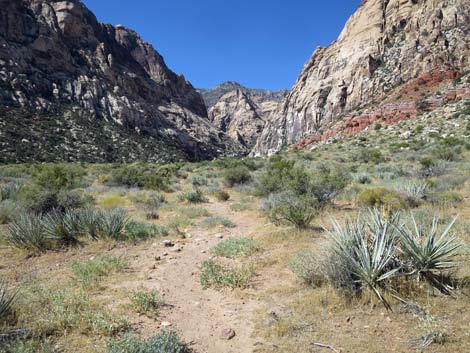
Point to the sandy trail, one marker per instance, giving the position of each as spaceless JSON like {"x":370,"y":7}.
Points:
{"x":198,"y":315}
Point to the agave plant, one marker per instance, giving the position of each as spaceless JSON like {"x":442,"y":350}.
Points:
{"x":6,"y":301}
{"x":429,"y":252}
{"x":367,"y":249}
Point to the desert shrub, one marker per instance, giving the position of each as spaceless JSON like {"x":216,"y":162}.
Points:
{"x":91,"y":271}
{"x":282,"y":175}
{"x":289,"y":208}
{"x":240,"y":206}
{"x":71,"y":199}
{"x":8,"y":211}
{"x":382,"y":198}
{"x":448,"y":198}
{"x":415,"y":191}
{"x":221,"y":195}
{"x":235,"y":247}
{"x":215,"y":221}
{"x":327,"y":182}
{"x":58,"y":176}
{"x":37,"y":199}
{"x":199,"y":180}
{"x":236,"y":176}
{"x":147,"y":302}
{"x":144,"y":176}
{"x":137,"y":230}
{"x":362,"y":178}
{"x":217,"y":276}
{"x":164,"y":342}
{"x":194,"y":212}
{"x":307,"y":267}
{"x":192,"y":196}
{"x":366,"y":155}
{"x":9,"y":191}
{"x":7,"y":299}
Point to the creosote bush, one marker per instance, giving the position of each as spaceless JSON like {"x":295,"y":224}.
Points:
{"x":382,"y":198}
{"x":289,"y":208}
{"x":237,"y":175}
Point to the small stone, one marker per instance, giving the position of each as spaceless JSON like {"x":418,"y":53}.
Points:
{"x":168,"y":243}
{"x":227,"y":334}
{"x":165,"y":324}
{"x":177,"y":249}
{"x":157,"y":258}
{"x":220,"y":236}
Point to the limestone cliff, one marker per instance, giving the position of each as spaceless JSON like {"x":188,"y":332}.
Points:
{"x":384,"y":45}
{"x":72,"y":88}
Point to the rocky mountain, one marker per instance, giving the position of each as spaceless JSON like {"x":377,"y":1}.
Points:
{"x":241,"y":112}
{"x":393,"y":59}
{"x":211,"y":96}
{"x":72,"y":88}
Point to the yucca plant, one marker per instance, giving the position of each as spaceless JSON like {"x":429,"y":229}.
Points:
{"x":367,"y":250}
{"x":414,"y":188}
{"x":429,"y":252}
{"x":27,"y":232}
{"x":113,"y":224}
{"x":89,"y":222}
{"x":7,"y":299}
{"x":62,"y":227}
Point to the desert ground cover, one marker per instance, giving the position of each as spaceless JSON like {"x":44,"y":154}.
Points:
{"x":355,"y":245}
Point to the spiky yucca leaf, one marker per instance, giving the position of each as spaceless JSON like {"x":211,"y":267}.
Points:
{"x":26,"y":232}
{"x":7,"y":298}
{"x":429,"y":251}
{"x":367,"y":248}
{"x":113,"y":223}
{"x":62,"y":227}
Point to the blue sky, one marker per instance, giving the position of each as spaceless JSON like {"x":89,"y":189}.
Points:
{"x":259,"y":43}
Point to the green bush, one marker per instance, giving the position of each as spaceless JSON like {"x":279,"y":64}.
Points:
{"x":199,"y":180}
{"x":327,"y":182}
{"x":37,"y":199}
{"x":192,"y":196}
{"x":144,"y":176}
{"x":8,"y":211}
{"x":147,"y":302}
{"x":237,"y":176}
{"x":235,"y":247}
{"x":58,"y":176}
{"x":91,"y":271}
{"x":164,"y":342}
{"x":289,"y":208}
{"x":217,"y":276}
{"x":282,"y":175}
{"x":137,"y":230}
{"x":382,"y":198}
{"x":214,"y":221}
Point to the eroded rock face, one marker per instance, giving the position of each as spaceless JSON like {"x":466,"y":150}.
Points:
{"x":384,"y":44}
{"x":55,"y":57}
{"x":236,"y":114}
{"x":241,"y":112}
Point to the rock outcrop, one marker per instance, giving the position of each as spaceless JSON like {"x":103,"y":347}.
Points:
{"x":241,"y":112}
{"x":385,"y":44}
{"x":64,"y":74}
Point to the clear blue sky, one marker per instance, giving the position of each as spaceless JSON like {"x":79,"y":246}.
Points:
{"x":259,"y":43}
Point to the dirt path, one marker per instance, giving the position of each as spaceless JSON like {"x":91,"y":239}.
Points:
{"x":198,"y":315}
